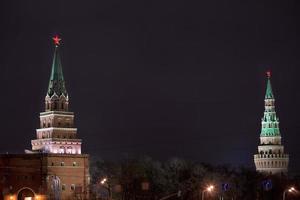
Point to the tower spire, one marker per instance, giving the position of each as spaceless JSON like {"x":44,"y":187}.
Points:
{"x":269,"y":92}
{"x":270,"y":122}
{"x":56,"y":82}
{"x":57,"y":96}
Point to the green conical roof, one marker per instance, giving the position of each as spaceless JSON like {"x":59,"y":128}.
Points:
{"x":270,"y":122}
{"x":269,"y":92}
{"x":56,"y":82}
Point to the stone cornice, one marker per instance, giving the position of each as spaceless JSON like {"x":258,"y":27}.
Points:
{"x":56,"y":128}
{"x":61,"y":113}
{"x":57,"y":140}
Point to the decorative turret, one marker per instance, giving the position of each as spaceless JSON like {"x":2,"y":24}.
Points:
{"x":57,"y":96}
{"x":271,"y":157}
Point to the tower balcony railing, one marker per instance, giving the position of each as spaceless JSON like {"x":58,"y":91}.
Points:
{"x":271,"y":156}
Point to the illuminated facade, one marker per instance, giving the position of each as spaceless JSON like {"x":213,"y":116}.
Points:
{"x":55,"y":168}
{"x":271,"y":157}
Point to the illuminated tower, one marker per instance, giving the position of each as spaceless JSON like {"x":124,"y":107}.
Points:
{"x":55,"y":168}
{"x":271,"y":157}
{"x":57,"y":133}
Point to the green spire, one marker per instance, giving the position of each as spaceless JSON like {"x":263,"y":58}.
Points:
{"x":270,"y":122}
{"x":56,"y":82}
{"x":269,"y":92}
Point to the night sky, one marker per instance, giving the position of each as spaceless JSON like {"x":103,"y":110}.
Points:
{"x":158,"y":78}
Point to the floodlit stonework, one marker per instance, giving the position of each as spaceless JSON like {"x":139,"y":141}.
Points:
{"x":271,"y":157}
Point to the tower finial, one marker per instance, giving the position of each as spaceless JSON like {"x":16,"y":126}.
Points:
{"x":268,"y":74}
{"x":56,"y":40}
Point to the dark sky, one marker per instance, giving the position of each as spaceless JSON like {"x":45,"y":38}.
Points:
{"x":161,"y":78}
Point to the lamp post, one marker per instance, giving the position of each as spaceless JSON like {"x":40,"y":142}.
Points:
{"x":291,"y":189}
{"x":105,"y":183}
{"x":209,"y":189}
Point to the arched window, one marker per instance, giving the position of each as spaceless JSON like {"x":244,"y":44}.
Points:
{"x":62,"y":149}
{"x":69,"y":150}
{"x":73,"y":187}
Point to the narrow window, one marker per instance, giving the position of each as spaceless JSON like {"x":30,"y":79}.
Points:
{"x":55,"y":105}
{"x":73,"y":187}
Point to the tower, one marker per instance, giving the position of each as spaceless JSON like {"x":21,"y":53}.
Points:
{"x":55,"y":168}
{"x":57,"y":133}
{"x":271,"y":157}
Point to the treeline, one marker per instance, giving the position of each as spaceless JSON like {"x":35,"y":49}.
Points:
{"x":145,"y":178}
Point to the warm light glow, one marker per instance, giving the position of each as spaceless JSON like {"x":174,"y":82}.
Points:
{"x":291,"y":189}
{"x":37,"y":197}
{"x":11,"y":197}
{"x":210,"y":188}
{"x":103,"y":181}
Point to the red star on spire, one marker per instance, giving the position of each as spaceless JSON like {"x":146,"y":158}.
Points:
{"x":268,"y":74}
{"x":56,"y":40}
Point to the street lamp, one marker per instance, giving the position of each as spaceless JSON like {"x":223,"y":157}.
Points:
{"x":107,"y":186}
{"x":103,"y":181}
{"x":290,"y":189}
{"x":209,"y":189}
